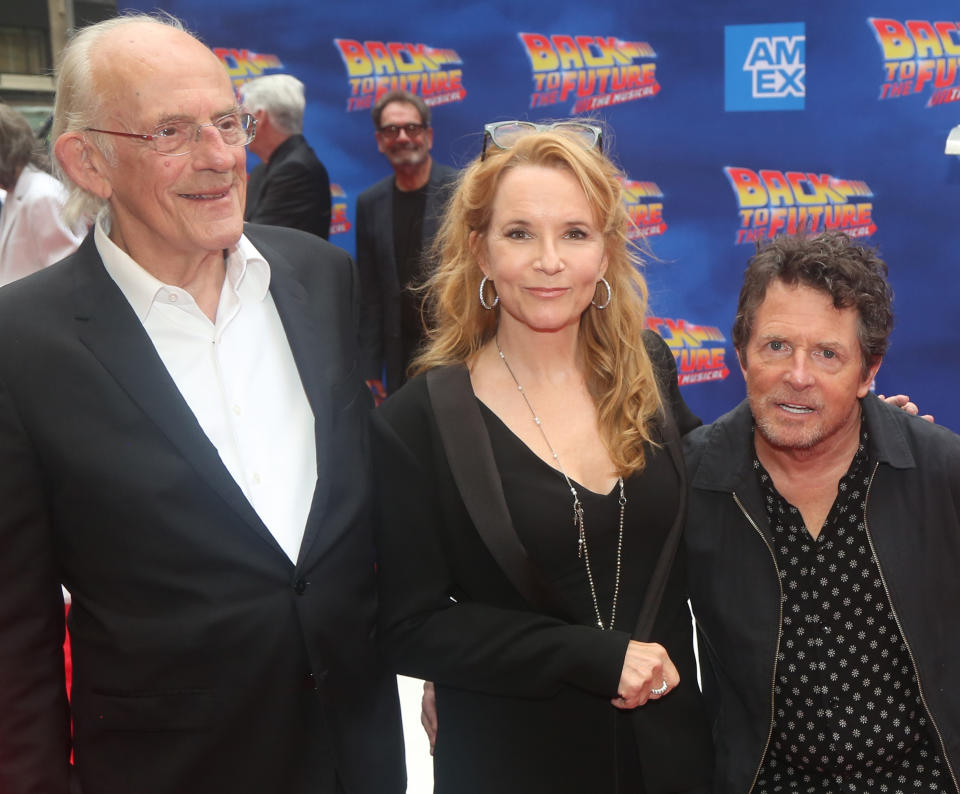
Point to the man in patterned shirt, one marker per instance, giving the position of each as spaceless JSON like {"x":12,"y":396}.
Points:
{"x":823,"y":541}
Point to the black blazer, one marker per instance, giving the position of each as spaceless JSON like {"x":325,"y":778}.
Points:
{"x":205,"y":661}
{"x":292,"y":190}
{"x":515,"y":682}
{"x":380,"y":286}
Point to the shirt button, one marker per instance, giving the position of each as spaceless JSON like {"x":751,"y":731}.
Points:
{"x":172,"y":297}
{"x":237,"y":410}
{"x":256,"y":478}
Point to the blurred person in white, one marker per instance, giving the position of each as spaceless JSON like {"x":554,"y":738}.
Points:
{"x":32,"y":232}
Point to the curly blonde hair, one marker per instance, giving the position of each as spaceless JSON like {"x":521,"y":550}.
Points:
{"x":619,"y":374}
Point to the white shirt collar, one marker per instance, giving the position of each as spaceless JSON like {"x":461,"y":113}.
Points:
{"x":246,"y":268}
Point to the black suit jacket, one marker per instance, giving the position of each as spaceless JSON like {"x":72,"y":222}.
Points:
{"x":522,"y":692}
{"x":293,"y":190}
{"x":380,"y":286}
{"x":205,"y":661}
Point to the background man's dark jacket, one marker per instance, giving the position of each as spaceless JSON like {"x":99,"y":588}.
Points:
{"x":292,"y":190}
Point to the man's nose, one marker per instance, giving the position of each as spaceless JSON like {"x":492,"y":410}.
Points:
{"x":211,"y":146}
{"x":800,"y":373}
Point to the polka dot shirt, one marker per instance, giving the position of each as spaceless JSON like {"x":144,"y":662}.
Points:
{"x":847,"y":710}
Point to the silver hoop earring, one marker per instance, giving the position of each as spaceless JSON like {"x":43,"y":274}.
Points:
{"x":483,"y":301}
{"x":609,"y":295}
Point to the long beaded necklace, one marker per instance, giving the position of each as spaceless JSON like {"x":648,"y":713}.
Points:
{"x":583,"y":550}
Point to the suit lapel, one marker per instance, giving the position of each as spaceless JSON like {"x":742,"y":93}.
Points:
{"x":383,"y":212}
{"x":110,"y":329}
{"x":466,"y":442}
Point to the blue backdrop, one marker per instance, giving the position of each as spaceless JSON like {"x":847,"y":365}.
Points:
{"x":732,"y":121}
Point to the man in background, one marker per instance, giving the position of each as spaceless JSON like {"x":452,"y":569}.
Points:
{"x":182,"y":446}
{"x":291,"y":186}
{"x":397,"y":219}
{"x":823,"y":542}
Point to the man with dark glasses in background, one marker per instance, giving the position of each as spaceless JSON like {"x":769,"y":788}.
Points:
{"x":397,"y":219}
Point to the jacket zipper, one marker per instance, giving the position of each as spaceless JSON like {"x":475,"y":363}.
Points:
{"x":896,"y":618}
{"x":776,"y":655}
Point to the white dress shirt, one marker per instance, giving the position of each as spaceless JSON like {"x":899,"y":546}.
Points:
{"x":32,"y":233}
{"x":239,"y":378}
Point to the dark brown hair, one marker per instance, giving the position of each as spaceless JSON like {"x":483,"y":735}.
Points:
{"x":19,"y":147}
{"x":854,"y":276}
{"x":400,"y":96}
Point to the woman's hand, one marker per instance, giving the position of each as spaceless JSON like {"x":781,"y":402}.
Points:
{"x":648,"y":674}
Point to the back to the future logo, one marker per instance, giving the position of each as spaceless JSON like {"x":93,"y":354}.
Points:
{"x":765,"y":67}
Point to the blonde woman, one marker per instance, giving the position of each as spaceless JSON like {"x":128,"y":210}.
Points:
{"x":531,"y":493}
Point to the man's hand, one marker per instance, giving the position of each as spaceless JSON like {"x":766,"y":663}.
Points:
{"x":903,"y":401}
{"x":647,"y":674}
{"x":428,"y":713}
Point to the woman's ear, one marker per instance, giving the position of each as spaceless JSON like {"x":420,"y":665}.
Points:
{"x":477,"y":248}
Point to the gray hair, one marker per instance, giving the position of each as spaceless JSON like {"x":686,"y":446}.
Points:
{"x":79,"y":104}
{"x":281,"y":96}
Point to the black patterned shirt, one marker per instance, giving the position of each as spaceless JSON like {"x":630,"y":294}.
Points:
{"x":847,"y":710}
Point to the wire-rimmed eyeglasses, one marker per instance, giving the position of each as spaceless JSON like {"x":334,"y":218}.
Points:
{"x":504,"y":134}
{"x":177,"y":138}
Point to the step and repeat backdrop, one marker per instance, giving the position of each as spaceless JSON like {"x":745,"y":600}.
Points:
{"x":734,"y":121}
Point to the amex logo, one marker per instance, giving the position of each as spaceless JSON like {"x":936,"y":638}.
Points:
{"x":765,"y":67}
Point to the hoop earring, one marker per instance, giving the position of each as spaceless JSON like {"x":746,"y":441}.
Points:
{"x":483,"y":302}
{"x":602,"y":306}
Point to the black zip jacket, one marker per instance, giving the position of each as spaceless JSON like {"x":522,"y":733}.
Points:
{"x":913,"y":520}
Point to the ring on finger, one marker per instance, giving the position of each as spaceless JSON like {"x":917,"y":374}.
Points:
{"x":660,"y":689}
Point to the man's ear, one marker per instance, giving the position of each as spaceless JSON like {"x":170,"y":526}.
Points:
{"x":83,"y":163}
{"x":871,"y":373}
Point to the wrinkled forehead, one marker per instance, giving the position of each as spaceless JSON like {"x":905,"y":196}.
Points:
{"x":144,"y":70}
{"x":807,"y":307}
{"x":400,"y":112}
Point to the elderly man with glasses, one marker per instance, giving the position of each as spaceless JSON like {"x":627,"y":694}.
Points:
{"x":397,"y":219}
{"x":182,"y":446}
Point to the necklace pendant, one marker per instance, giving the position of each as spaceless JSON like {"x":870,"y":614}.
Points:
{"x":582,"y":551}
